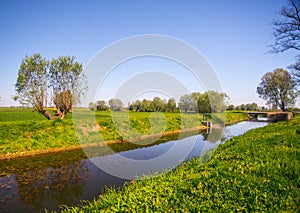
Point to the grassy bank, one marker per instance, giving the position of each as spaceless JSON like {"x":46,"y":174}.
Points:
{"x":255,"y":172}
{"x":24,"y":131}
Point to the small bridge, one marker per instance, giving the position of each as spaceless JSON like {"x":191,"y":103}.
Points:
{"x":271,"y":116}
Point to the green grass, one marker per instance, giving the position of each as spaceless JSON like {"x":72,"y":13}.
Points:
{"x":255,"y":172}
{"x":22,"y":130}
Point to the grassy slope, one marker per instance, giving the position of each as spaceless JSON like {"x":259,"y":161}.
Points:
{"x":258,"y":171}
{"x":22,"y":130}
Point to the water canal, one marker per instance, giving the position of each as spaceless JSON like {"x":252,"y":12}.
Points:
{"x":31,"y":184}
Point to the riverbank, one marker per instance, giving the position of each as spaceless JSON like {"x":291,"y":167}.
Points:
{"x":191,"y":131}
{"x":24,"y":133}
{"x":256,"y":172}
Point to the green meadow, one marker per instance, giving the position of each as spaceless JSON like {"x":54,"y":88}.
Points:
{"x":22,"y":130}
{"x":255,"y":172}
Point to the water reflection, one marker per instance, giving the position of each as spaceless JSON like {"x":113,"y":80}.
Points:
{"x":33,"y":189}
{"x":62,"y":185}
{"x":31,"y":184}
{"x":214,"y":135}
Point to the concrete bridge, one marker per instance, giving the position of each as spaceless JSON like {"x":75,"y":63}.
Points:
{"x":271,"y":116}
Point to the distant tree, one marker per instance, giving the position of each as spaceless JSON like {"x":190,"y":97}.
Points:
{"x":136,"y":105}
{"x":243,"y":107}
{"x":92,"y":106}
{"x":146,"y":106}
{"x":171,"y":105}
{"x":287,"y":33}
{"x":31,"y":86}
{"x":238,"y":107}
{"x":67,"y":81}
{"x":186,"y":103}
{"x":254,"y":107}
{"x":231,"y":107}
{"x":101,"y":105}
{"x":115,"y":104}
{"x":249,"y":107}
{"x":210,"y":101}
{"x":195,"y":105}
{"x":164,"y":105}
{"x":217,"y":101}
{"x":278,"y":89}
{"x":203,"y":103}
{"x":157,"y":104}
{"x":130,"y":106}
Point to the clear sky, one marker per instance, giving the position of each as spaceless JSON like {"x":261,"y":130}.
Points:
{"x":233,"y":35}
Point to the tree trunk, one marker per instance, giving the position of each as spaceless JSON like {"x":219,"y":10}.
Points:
{"x":47,"y":114}
{"x":61,"y":112}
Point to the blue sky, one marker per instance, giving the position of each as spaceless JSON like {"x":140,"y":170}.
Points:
{"x":233,"y":35}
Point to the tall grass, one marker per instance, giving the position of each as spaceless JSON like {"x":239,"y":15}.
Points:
{"x":255,"y":172}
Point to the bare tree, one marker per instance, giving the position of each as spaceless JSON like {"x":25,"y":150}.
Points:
{"x":296,"y":70}
{"x":287,"y":34}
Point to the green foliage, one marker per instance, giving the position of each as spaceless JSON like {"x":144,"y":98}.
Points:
{"x":255,"y":172}
{"x":278,"y":89}
{"x":171,"y":105}
{"x":210,"y":101}
{"x":40,"y":82}
{"x":187,"y":103}
{"x":92,"y":106}
{"x":31,"y":85}
{"x":101,"y":106}
{"x":115,"y":104}
{"x":146,"y":106}
{"x":250,"y":107}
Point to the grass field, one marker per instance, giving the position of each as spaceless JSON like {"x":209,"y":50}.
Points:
{"x":22,"y":130}
{"x":255,"y":172}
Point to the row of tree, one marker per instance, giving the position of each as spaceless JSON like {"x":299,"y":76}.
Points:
{"x":43,"y":82}
{"x":210,"y":101}
{"x":156,"y":105}
{"x":248,"y":107}
{"x":115,"y":104}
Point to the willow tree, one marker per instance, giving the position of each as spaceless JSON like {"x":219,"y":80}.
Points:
{"x":67,"y":81}
{"x":38,"y":78}
{"x":31,"y":86}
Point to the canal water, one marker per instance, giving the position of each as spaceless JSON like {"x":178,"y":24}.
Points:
{"x":33,"y":184}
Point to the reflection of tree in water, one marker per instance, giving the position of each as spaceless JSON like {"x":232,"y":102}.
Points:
{"x":214,"y":135}
{"x":8,"y":192}
{"x":63,"y":185}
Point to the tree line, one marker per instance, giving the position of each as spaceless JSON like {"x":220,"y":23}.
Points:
{"x":249,"y":107}
{"x":210,"y":101}
{"x":43,"y":82}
